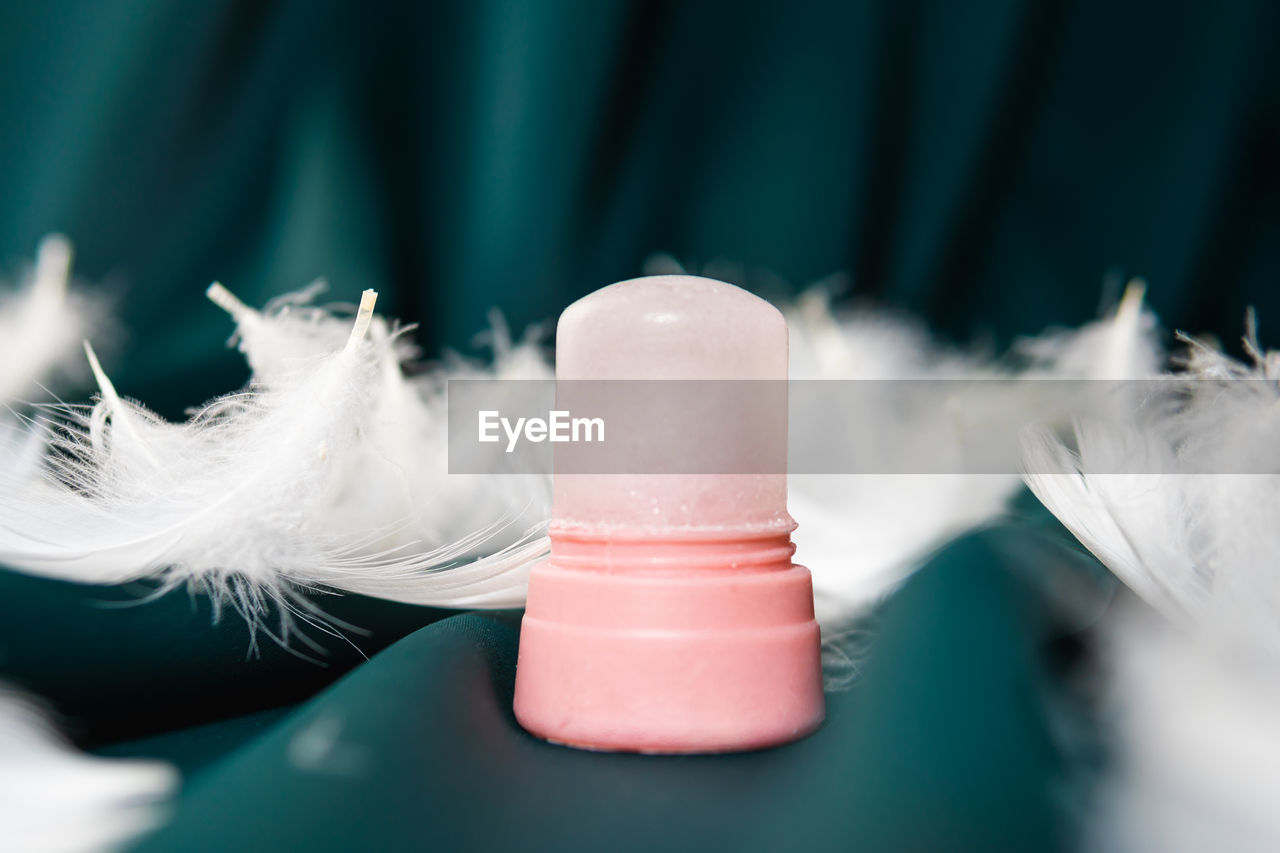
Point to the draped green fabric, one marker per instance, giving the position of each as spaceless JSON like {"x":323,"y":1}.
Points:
{"x":942,"y":745}
{"x":993,"y":166}
{"x":987,"y":165}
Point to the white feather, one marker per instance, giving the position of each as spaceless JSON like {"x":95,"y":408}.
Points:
{"x":1197,"y":744}
{"x":1121,"y":348}
{"x":1164,"y":500}
{"x":860,"y":535}
{"x":313,"y":477}
{"x":55,"y":799}
{"x":22,"y":446}
{"x":1179,"y":501}
{"x":52,"y":797}
{"x":42,"y":323}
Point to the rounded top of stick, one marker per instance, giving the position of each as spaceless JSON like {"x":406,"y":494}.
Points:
{"x":671,"y":327}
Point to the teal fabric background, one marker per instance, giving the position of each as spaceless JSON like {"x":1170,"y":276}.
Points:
{"x":987,"y":164}
{"x":994,"y":166}
{"x":942,"y":745}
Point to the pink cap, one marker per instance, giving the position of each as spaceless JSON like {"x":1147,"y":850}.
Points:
{"x":669,"y":617}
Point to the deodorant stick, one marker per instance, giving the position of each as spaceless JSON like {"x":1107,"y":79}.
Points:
{"x":669,"y":617}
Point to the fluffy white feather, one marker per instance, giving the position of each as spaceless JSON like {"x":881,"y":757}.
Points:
{"x":312,"y":477}
{"x":55,"y":799}
{"x":52,"y":797}
{"x":42,"y":323}
{"x":1178,"y":500}
{"x":22,"y":446}
{"x":1162,"y":499}
{"x":1196,"y":762}
{"x":862,"y":534}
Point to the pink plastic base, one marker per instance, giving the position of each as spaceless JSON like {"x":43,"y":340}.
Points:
{"x":670,"y":647}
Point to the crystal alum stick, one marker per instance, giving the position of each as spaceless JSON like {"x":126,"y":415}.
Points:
{"x":669,"y":617}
